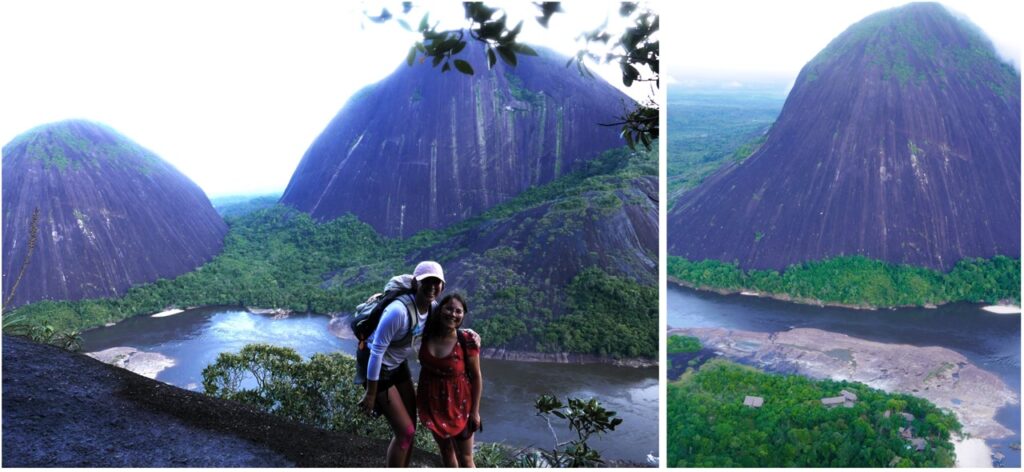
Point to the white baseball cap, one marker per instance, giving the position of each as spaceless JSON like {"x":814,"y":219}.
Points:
{"x":427,"y":269}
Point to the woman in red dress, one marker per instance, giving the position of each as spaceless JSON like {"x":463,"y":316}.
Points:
{"x":450,"y":385}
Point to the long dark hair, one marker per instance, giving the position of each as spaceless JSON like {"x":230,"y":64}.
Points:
{"x":431,"y":327}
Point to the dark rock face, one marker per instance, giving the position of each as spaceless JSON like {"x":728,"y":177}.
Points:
{"x":111,"y":215}
{"x":424,"y":149}
{"x":900,"y":141}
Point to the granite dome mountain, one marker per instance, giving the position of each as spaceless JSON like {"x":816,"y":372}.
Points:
{"x":900,"y":141}
{"x":423,"y":149}
{"x":111,"y":215}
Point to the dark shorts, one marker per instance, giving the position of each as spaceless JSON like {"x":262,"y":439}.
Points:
{"x":388,"y":378}
{"x":391,"y":377}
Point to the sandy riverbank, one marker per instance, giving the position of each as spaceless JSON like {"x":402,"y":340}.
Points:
{"x":1002,"y":309}
{"x":167,"y":313}
{"x":972,"y":452}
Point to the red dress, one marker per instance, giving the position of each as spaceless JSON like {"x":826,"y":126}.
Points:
{"x":444,"y":396}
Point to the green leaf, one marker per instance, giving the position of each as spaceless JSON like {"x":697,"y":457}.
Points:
{"x":404,"y":24}
{"x":463,"y":67}
{"x":491,"y":29}
{"x":446,"y":67}
{"x":629,"y":74}
{"x":507,"y":55}
{"x":424,"y":22}
{"x":646,"y":139}
{"x":524,"y":49}
{"x":515,"y":31}
{"x":629,"y":138}
{"x":491,"y":59}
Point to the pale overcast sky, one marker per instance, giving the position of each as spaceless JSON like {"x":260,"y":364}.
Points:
{"x":746,"y":40}
{"x":230,"y":92}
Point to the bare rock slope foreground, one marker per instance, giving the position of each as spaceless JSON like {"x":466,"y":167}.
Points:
{"x":69,"y":410}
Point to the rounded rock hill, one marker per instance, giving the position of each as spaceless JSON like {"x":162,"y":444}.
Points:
{"x":424,"y":149}
{"x":900,"y":141}
{"x":111,"y":214}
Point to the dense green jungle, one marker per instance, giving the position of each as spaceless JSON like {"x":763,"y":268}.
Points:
{"x":862,"y":282}
{"x":276,"y":257}
{"x":709,"y":425}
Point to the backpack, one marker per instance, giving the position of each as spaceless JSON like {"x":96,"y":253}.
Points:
{"x":367,"y":315}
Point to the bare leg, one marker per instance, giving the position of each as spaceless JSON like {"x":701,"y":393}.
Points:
{"x":402,"y":423}
{"x":464,"y":451}
{"x":447,"y":448}
{"x":408,"y":397}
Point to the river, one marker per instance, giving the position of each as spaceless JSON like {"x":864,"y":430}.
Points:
{"x":989,"y":341}
{"x":194,"y":339}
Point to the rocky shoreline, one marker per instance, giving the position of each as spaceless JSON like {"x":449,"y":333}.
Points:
{"x":146,"y":364}
{"x":940,"y":375}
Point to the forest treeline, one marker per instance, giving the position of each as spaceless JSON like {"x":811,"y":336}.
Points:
{"x":857,"y":280}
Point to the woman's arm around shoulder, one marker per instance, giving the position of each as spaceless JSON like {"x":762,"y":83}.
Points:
{"x":476,"y":380}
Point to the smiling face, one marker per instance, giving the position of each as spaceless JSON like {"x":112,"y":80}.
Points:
{"x":452,"y":314}
{"x":428,"y":289}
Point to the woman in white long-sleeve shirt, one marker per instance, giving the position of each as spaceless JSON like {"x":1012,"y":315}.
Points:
{"x":389,"y":388}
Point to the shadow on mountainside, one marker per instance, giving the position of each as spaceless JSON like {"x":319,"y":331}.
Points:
{"x":62,"y":409}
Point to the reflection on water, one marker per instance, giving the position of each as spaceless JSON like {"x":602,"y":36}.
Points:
{"x":990,"y":341}
{"x":195,"y":338}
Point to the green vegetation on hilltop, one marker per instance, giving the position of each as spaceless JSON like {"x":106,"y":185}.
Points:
{"x":709,"y":426}
{"x":64,"y":145}
{"x":899,"y":42}
{"x":856,"y":280}
{"x":278,"y":257}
